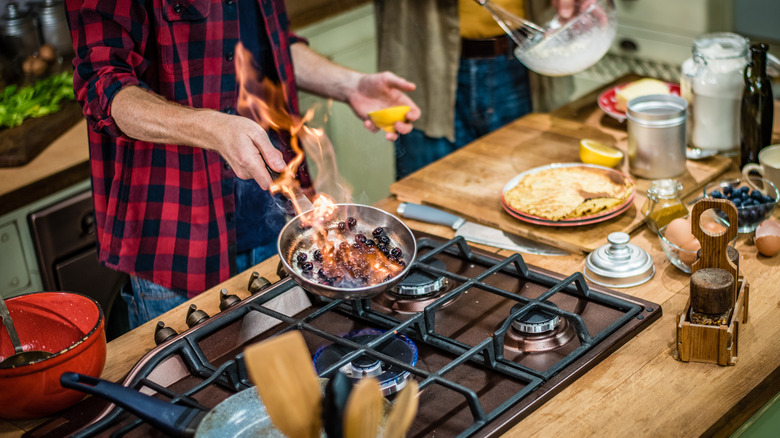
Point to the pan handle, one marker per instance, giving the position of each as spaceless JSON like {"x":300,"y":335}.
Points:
{"x":173,"y":420}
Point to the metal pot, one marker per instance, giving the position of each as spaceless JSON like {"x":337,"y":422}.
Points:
{"x":240,"y":415}
{"x":295,"y":238}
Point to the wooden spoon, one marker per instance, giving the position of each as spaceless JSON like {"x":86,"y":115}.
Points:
{"x":282,"y":370}
{"x":364,"y":410}
{"x":402,"y":414}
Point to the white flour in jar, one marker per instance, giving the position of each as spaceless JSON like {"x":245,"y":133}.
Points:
{"x":715,"y":97}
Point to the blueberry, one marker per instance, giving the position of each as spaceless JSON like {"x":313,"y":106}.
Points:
{"x":383,"y":239}
{"x":342,"y":226}
{"x":737,"y":202}
{"x":351,"y":222}
{"x":716,"y":194}
{"x":396,"y":252}
{"x":301,"y":257}
{"x":768,"y":200}
{"x":369,"y":242}
{"x":317,"y":254}
{"x":378,"y":231}
{"x":360,"y":238}
{"x":728,"y":190}
{"x":307,"y":266}
{"x":744,"y":189}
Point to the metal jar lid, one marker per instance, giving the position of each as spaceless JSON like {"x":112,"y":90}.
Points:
{"x":619,"y":263}
{"x":657,"y":110}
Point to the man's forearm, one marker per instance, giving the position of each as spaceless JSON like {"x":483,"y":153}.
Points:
{"x":145,"y":116}
{"x":316,"y":74}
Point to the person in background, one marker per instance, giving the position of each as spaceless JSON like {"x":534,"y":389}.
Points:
{"x":179,"y":180}
{"x":468,"y":81}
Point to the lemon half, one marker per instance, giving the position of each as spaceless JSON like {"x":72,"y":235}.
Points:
{"x":386,"y":118}
{"x":593,"y":152}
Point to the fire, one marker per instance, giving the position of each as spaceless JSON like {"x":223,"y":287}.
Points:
{"x":265,"y":102}
{"x":344,"y":257}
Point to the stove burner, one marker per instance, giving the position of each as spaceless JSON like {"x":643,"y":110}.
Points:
{"x":391,"y":378}
{"x":537,"y":331}
{"x":536,"y":321}
{"x":420,"y":283}
{"x":416,"y":291}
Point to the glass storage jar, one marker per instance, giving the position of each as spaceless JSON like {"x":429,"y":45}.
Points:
{"x":712,"y":82}
{"x":663,"y":203}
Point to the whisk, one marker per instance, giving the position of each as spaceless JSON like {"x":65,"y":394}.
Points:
{"x":523,"y":32}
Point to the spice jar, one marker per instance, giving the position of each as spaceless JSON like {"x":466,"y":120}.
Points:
{"x":663,"y":203}
{"x":712,"y":82}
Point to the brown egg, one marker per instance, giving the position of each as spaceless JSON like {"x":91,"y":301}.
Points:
{"x":678,"y":232}
{"x":688,"y":256}
{"x":38,"y":67}
{"x":767,"y":238}
{"x":710,"y":224}
{"x":47,"y":53}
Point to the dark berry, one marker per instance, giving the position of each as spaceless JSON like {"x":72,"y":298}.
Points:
{"x":322,"y":273}
{"x":383,"y":240}
{"x":360,"y":238}
{"x":396,"y":252}
{"x":728,"y":191}
{"x":716,"y":194}
{"x":317,"y":254}
{"x":351,"y":222}
{"x":378,"y":231}
{"x":342,"y":226}
{"x":401,"y":262}
{"x":755,"y":194}
{"x":307,"y":266}
{"x":369,"y":242}
{"x":301,"y":257}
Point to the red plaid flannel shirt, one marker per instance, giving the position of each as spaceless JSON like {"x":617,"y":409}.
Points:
{"x":165,"y":212}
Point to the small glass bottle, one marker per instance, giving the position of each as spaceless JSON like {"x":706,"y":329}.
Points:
{"x":663,"y":203}
{"x":757,"y":107}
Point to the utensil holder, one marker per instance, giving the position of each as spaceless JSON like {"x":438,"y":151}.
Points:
{"x":714,"y":343}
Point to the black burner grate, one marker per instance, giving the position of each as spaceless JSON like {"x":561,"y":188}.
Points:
{"x":464,"y":371}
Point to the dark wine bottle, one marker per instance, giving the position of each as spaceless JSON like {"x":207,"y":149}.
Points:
{"x":757,"y":107}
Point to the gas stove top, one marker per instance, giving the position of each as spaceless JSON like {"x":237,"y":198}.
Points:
{"x":488,"y":339}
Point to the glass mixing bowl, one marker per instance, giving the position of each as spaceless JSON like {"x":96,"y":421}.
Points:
{"x":571,"y":46}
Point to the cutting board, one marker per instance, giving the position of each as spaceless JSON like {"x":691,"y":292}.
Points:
{"x":469,"y":181}
{"x":20,"y":144}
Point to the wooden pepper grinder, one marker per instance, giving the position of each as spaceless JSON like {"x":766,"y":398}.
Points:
{"x":708,"y":327}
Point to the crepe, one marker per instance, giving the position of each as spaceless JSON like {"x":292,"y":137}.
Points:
{"x":568,"y":192}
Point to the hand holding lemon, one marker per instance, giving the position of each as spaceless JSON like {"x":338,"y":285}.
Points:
{"x":385,"y":118}
{"x":593,"y":152}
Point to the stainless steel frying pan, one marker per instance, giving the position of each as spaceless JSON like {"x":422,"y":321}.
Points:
{"x":295,"y":238}
{"x":240,"y":415}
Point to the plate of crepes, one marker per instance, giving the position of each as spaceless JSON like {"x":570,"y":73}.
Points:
{"x":568,"y":194}
{"x":614,"y":100}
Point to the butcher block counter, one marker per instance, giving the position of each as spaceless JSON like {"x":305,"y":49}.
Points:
{"x":640,"y":389}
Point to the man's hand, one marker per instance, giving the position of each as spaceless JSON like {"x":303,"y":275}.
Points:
{"x":383,"y":90}
{"x":567,"y":8}
{"x":246,"y":147}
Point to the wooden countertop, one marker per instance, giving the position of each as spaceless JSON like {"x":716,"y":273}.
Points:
{"x":639,"y":390}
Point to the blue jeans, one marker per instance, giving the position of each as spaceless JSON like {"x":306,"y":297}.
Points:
{"x":491,"y":93}
{"x":146,"y":300}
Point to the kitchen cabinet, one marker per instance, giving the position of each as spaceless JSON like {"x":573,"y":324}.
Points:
{"x":365,"y":160}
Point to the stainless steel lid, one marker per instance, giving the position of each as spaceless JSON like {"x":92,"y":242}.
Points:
{"x":619,"y":263}
{"x":657,"y":110}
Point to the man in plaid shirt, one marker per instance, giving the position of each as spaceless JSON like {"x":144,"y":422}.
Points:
{"x":178,"y":179}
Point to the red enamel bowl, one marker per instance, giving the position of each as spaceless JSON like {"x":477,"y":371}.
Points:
{"x":69,"y":325}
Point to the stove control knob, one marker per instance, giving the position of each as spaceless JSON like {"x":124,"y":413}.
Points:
{"x":195,"y":316}
{"x":227,"y":300}
{"x":257,"y":283}
{"x":163,"y":333}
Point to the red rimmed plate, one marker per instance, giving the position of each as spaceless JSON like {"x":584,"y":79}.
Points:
{"x":607,"y":100}
{"x":585,"y":220}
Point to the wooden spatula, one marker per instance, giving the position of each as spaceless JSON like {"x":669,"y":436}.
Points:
{"x":281,"y":369}
{"x":402,"y":414}
{"x":364,"y":410}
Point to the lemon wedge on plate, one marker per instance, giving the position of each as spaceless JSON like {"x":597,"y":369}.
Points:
{"x":386,"y":118}
{"x":593,"y":152}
